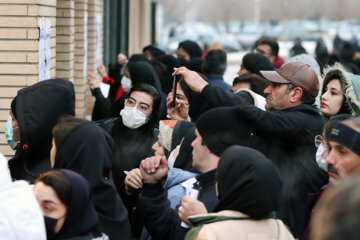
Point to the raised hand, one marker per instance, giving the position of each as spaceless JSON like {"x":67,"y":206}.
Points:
{"x":154,"y":169}
{"x":180,"y":111}
{"x":192,"y":78}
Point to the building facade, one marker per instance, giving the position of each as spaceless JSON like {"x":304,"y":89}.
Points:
{"x":43,"y":39}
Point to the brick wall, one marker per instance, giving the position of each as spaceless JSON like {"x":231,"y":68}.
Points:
{"x":19,"y":47}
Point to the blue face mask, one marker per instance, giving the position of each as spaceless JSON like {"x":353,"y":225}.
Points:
{"x":9,"y":132}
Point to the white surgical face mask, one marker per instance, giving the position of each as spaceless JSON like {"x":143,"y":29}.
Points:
{"x":126,"y":84}
{"x":132,"y":117}
{"x":319,"y":160}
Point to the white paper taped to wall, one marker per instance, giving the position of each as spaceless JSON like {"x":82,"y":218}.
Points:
{"x":98,"y":40}
{"x":41,"y":49}
{"x":47,"y":48}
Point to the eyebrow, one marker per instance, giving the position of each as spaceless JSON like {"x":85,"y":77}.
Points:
{"x":140,"y":102}
{"x":332,"y":88}
{"x":49,"y":201}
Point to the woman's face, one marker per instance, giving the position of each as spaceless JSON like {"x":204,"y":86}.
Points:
{"x":158,"y":147}
{"x":180,"y":95}
{"x":50,"y":204}
{"x":332,"y":98}
{"x":52,"y":153}
{"x":182,"y":54}
{"x":15,"y":126}
{"x":142,"y":101}
{"x":126,"y":72}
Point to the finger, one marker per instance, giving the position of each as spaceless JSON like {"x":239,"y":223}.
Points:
{"x":148,"y":167}
{"x":152,"y":165}
{"x":138,"y":173}
{"x":137,"y":181}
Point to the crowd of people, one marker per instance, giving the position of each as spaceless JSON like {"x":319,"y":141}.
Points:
{"x":174,"y":152}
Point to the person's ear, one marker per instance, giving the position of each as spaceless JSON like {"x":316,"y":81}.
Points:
{"x":296,"y":94}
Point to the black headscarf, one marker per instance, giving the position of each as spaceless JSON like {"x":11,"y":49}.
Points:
{"x":195,"y":64}
{"x":192,"y":48}
{"x":184,"y":159}
{"x":222,"y":127}
{"x":170,"y":62}
{"x":143,"y":72}
{"x":81,"y":217}
{"x":180,"y":130}
{"x":87,"y":150}
{"x":247,"y":182}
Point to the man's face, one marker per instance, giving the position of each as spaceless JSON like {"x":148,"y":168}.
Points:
{"x":265,"y":50}
{"x":342,"y":162}
{"x":277,"y":98}
{"x":199,"y":152}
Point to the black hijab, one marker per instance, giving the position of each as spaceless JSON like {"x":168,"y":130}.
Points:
{"x":192,"y":48}
{"x":143,"y":72}
{"x":167,"y":80}
{"x":87,"y":150}
{"x":247,"y":182}
{"x":81,"y":217}
{"x":184,"y":159}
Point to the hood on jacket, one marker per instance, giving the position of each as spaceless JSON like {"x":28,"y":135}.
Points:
{"x":38,"y":108}
{"x":350,"y":84}
{"x":87,"y":150}
{"x":20,"y":214}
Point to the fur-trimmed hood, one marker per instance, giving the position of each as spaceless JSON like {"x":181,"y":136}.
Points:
{"x":350,"y":84}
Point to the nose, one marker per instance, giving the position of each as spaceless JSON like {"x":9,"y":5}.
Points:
{"x":324,"y":96}
{"x":330,"y":158}
{"x":267,"y":90}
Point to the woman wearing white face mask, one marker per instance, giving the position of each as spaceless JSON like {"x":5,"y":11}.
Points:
{"x":133,"y":131}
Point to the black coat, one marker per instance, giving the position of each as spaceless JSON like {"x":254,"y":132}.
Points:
{"x":87,"y":150}
{"x":38,"y":108}
{"x":287,"y":138}
{"x":131,"y":146}
{"x":163,"y":222}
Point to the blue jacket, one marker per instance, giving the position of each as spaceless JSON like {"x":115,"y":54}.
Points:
{"x":218,"y":80}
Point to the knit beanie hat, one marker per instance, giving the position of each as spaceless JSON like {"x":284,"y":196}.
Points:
{"x":223,"y":127}
{"x":255,"y":62}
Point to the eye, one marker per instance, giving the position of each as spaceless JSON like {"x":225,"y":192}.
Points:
{"x":130,"y":102}
{"x":47,"y":208}
{"x":144,"y":107}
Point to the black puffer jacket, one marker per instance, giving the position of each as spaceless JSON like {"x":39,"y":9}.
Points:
{"x":38,"y":108}
{"x":287,"y":138}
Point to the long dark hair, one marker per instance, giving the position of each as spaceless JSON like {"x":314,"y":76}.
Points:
{"x":344,"y":109}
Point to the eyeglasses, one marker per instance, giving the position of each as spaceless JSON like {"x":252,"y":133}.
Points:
{"x":318,"y":140}
{"x":143,"y":107}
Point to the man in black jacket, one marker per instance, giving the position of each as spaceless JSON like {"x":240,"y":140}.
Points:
{"x":213,"y":136}
{"x":285,"y":133}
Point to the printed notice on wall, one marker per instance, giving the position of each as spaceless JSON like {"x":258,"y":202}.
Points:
{"x":85,"y":42}
{"x":98,"y":39}
{"x":47,"y":48}
{"x":41,"y":49}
